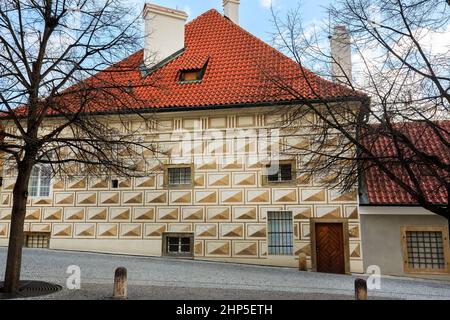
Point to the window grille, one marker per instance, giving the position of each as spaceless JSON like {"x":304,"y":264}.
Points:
{"x":425,"y":250}
{"x":37,"y":240}
{"x":179,"y":176}
{"x":178,"y":244}
{"x":280,"y":233}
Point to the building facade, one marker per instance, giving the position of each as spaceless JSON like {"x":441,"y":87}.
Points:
{"x":225,"y":189}
{"x":217,"y":192}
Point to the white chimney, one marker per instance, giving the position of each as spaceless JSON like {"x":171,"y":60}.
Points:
{"x":164,"y":33}
{"x":231,"y":10}
{"x":341,"y":65}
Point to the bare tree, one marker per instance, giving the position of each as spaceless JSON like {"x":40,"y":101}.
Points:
{"x":401,"y":75}
{"x":52,"y":98}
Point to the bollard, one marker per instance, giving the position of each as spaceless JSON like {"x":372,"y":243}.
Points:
{"x":120,"y":283}
{"x":302,"y":261}
{"x":360,"y":289}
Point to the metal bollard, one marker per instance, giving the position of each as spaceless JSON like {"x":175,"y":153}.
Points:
{"x":302,"y":261}
{"x":360,"y":289}
{"x":120,"y":284}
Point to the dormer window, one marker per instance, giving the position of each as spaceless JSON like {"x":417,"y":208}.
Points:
{"x":193,"y":72}
{"x":195,"y":75}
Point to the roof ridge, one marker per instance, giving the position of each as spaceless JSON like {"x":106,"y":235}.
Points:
{"x":203,"y":14}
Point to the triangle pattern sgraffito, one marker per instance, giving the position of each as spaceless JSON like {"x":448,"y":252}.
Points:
{"x":156,"y":232}
{"x":67,"y":231}
{"x":134,"y":232}
{"x":88,"y":232}
{"x":221,"y":250}
{"x":56,"y":215}
{"x":248,"y":251}
{"x":78,"y":215}
{"x":101,"y":215}
{"x":110,"y":232}
{"x":146,"y":215}
{"x":112,"y":199}
{"x":135,"y":199}
{"x":122,"y":215}
{"x":196,"y":215}
{"x":91,"y":199}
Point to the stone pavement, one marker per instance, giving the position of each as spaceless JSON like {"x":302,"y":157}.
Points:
{"x":165,"y":278}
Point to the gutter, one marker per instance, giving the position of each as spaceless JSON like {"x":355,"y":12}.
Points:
{"x":217,"y":107}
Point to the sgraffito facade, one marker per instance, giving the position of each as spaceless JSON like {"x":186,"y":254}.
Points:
{"x":224,"y":206}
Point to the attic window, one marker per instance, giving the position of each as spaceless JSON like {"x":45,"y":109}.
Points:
{"x":195,"y":75}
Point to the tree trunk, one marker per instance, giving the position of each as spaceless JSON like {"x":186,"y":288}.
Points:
{"x":16,"y":235}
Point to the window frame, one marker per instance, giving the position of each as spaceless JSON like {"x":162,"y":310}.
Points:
{"x":268,"y":234}
{"x":28,"y":238}
{"x":200,"y":72}
{"x":404,"y":244}
{"x":50,"y":187}
{"x":164,"y":250}
{"x":292,"y":182}
{"x":167,"y":185}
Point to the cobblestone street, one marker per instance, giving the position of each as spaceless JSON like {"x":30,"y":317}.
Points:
{"x":162,"y":278}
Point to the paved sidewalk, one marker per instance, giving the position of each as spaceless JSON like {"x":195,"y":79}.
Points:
{"x":163,"y":278}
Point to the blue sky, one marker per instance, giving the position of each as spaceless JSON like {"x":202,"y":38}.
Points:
{"x":255,"y":15}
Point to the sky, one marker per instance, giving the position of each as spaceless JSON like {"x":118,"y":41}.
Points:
{"x":255,"y":15}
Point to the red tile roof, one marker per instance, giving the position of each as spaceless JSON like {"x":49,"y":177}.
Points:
{"x":233,"y":75}
{"x":381,"y":190}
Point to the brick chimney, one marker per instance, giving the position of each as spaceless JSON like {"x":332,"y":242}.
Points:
{"x":341,"y":65}
{"x":231,"y":10}
{"x":164,"y":33}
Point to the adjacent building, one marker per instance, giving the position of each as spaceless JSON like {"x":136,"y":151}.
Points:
{"x":397,"y":234}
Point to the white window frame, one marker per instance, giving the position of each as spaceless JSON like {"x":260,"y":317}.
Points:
{"x":39,"y":182}
{"x":281,"y":229}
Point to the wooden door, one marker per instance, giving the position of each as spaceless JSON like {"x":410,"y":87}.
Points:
{"x":330,"y":256}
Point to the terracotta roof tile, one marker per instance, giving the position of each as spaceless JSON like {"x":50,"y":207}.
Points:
{"x":233,"y":74}
{"x":381,"y":190}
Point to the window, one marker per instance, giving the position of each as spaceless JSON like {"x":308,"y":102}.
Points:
{"x":280,"y":233}
{"x":190,"y":76}
{"x":40,"y":179}
{"x":193,"y":75}
{"x":178,"y":244}
{"x":179,"y":176}
{"x":425,"y":249}
{"x":280,"y":173}
{"x":37,"y":239}
{"x":115,"y":183}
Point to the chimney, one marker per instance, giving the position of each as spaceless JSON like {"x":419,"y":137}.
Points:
{"x":341,"y":65}
{"x":231,"y":10}
{"x":164,"y":33}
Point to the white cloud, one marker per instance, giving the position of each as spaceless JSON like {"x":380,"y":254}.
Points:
{"x":266,"y":3}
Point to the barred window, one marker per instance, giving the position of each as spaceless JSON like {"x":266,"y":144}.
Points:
{"x":179,"y":176}
{"x":39,"y":185}
{"x":425,"y":250}
{"x":178,"y":244}
{"x":37,"y":240}
{"x":280,"y":233}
